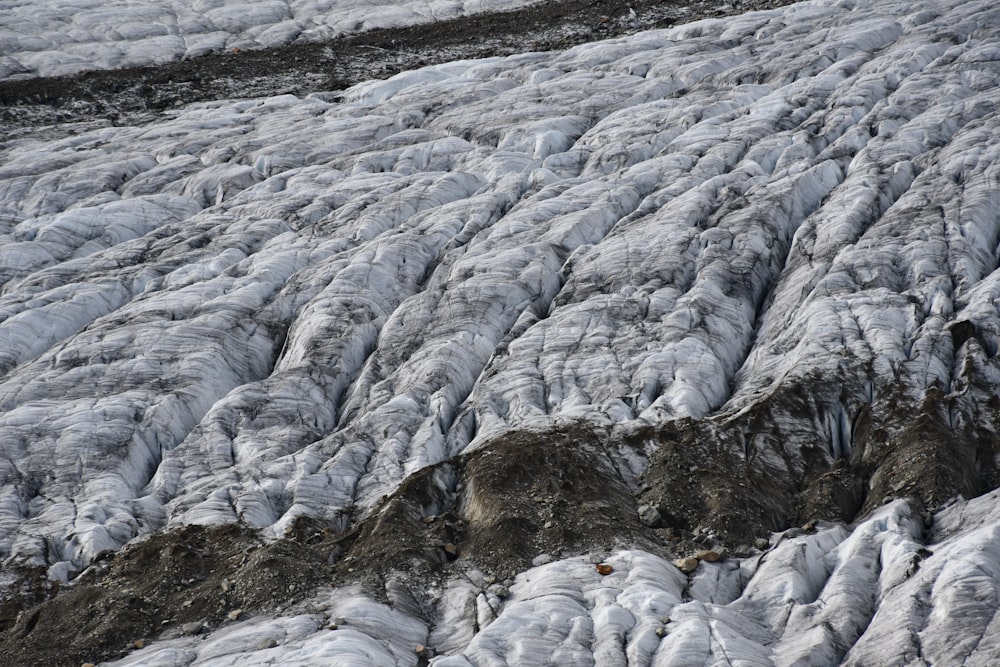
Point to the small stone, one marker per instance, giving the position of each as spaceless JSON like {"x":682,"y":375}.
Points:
{"x":665,"y":620}
{"x":541,"y":559}
{"x":604,"y":569}
{"x":88,"y":664}
{"x":187,"y":603}
{"x":809,"y":526}
{"x":192,"y":628}
{"x":490,"y":579}
{"x":707,"y":555}
{"x":429,"y":519}
{"x":649,"y":516}
{"x":423,"y":651}
{"x":138,"y":643}
{"x":225,"y":585}
{"x":502,"y":592}
{"x":661,"y":632}
{"x":762,"y":543}
{"x":687,"y":565}
{"x":234,"y":614}
{"x":450,"y":551}
{"x":267,"y":642}
{"x":547,"y":525}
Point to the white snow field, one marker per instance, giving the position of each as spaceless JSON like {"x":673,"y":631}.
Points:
{"x":259,"y":310}
{"x":60,"y":37}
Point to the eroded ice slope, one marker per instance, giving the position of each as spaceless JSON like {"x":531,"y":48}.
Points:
{"x":763,"y":250}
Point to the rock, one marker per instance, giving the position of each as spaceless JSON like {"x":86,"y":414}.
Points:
{"x":604,"y":569}
{"x":502,"y":592}
{"x":707,"y":555}
{"x":425,"y":652}
{"x":138,"y":643}
{"x":687,"y":565}
{"x":762,"y":543}
{"x":541,"y":559}
{"x":193,"y":628}
{"x":234,"y":614}
{"x":267,"y":642}
{"x":650,"y":516}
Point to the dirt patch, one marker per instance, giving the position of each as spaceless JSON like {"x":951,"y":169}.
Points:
{"x":931,"y":451}
{"x":699,"y":480}
{"x":778,"y":465}
{"x":526,"y":494}
{"x":186,"y":581}
{"x":556,"y":493}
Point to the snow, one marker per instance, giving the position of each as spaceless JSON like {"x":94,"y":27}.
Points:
{"x":257,"y":310}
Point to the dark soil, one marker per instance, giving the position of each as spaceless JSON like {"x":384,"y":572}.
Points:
{"x":185,"y":581}
{"x":136,"y":95}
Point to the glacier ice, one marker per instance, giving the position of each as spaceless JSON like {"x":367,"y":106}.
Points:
{"x":759,"y":255}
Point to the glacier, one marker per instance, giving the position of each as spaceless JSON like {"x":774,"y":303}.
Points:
{"x":731,"y":286}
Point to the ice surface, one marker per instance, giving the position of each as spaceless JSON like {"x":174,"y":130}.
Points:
{"x":260,"y":310}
